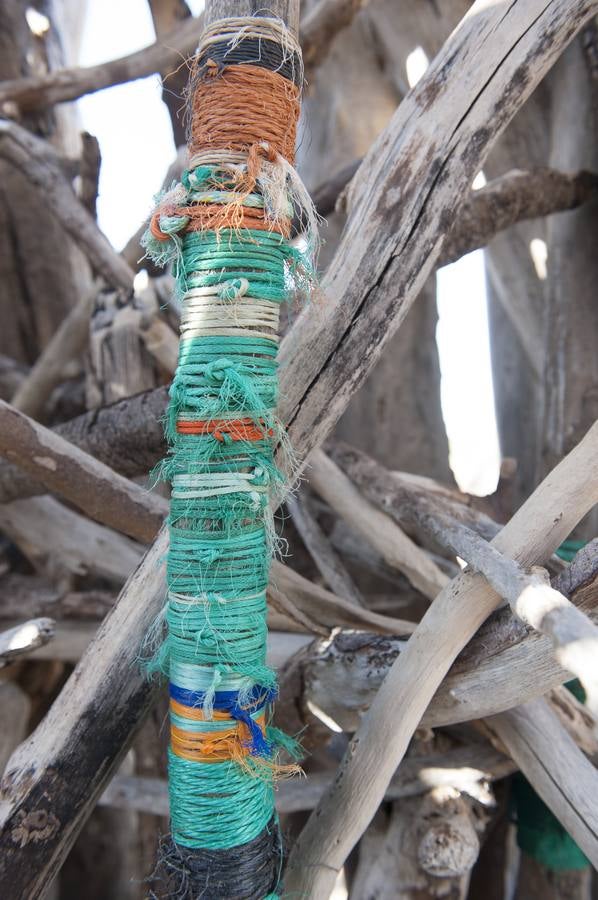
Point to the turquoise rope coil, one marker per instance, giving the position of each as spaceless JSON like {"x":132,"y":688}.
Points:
{"x":221,"y":529}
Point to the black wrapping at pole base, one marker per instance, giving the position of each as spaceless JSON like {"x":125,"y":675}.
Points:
{"x":248,"y":872}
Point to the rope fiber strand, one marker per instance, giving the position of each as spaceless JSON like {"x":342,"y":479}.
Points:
{"x":226,"y":231}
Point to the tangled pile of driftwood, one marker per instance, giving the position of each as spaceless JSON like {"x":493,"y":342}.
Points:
{"x":447,"y":679}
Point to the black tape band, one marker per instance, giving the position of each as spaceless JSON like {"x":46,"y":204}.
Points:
{"x":255,"y":52}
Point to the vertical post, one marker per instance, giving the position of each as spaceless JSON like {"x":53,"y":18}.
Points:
{"x":227,"y":229}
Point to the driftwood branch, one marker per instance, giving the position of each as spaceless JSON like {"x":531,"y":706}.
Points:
{"x":43,"y":530}
{"x":321,"y":551}
{"x":468,"y":769}
{"x":92,"y":486}
{"x":514,"y":197}
{"x":397,"y":549}
{"x":505,"y":664}
{"x":40,"y":91}
{"x":126,"y":435}
{"x":558,"y":770}
{"x":379,"y":744}
{"x":170,"y":52}
{"x":38,"y":162}
{"x":66,"y":345}
{"x":321,"y":24}
{"x":24,"y":638}
{"x":532,"y":599}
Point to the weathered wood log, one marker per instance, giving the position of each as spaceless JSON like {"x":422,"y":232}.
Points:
{"x":47,"y":372}
{"x":126,"y":435}
{"x":43,"y":530}
{"x":426,"y":849}
{"x":404,"y":496}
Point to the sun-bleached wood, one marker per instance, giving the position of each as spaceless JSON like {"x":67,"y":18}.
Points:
{"x":41,"y":165}
{"x":532,"y":599}
{"x":558,"y":770}
{"x":465,"y":768}
{"x":397,"y":549}
{"x":22,"y":639}
{"x":90,"y":485}
{"x":319,"y":547}
{"x":505,"y":51}
{"x":66,"y":344}
{"x":379,"y":744}
{"x":406,"y":193}
{"x":43,"y":530}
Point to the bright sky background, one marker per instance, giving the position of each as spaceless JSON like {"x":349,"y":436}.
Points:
{"x":133,"y":128}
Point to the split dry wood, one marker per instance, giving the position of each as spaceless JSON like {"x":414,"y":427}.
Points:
{"x":379,"y":744}
{"x":92,"y":486}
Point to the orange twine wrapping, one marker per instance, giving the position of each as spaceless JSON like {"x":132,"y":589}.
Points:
{"x":233,"y":742}
{"x":214,"y":217}
{"x":243,"y":105}
{"x":236,"y":429}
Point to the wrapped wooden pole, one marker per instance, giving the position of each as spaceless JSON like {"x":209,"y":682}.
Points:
{"x":226,"y":228}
